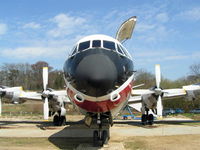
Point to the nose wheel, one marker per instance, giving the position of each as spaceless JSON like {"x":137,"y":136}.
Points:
{"x":100,"y":137}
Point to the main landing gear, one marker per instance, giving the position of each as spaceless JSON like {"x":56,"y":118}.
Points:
{"x":147,"y":119}
{"x":100,"y":136}
{"x":59,"y":120}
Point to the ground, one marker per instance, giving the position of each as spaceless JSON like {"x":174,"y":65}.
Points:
{"x":26,"y":133}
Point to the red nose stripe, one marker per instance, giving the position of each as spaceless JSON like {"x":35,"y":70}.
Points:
{"x":101,"y":106}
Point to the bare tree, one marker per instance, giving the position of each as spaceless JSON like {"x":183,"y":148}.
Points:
{"x":195,"y":73}
{"x":37,"y":74}
{"x":195,"y":69}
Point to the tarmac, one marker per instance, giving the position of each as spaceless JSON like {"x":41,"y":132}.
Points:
{"x":128,"y":128}
{"x":74,"y":129}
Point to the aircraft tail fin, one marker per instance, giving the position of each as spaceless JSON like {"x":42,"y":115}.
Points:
{"x":126,"y":29}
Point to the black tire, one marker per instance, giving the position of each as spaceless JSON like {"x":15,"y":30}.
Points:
{"x":105,"y":137}
{"x":62,"y":120}
{"x":95,"y":138}
{"x":56,"y":120}
{"x":144,"y":119}
{"x":150,"y":119}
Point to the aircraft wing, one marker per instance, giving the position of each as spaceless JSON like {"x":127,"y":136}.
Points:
{"x":30,"y":96}
{"x":189,"y":91}
{"x":38,"y":96}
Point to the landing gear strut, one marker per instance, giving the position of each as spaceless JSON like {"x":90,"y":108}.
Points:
{"x":100,"y":137}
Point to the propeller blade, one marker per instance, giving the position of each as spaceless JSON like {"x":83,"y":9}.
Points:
{"x":0,"y":105}
{"x":159,"y":107}
{"x":46,"y":109}
{"x":45,"y":77}
{"x":158,"y":75}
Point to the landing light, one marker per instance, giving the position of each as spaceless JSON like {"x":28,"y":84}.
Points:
{"x":114,"y":96}
{"x":78,"y":97}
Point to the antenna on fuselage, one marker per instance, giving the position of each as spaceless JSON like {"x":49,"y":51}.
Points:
{"x":126,"y":29}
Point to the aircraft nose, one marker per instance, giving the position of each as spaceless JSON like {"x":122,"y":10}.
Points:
{"x":96,"y":74}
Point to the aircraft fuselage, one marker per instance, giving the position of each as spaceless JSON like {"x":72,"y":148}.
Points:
{"x":99,"y":75}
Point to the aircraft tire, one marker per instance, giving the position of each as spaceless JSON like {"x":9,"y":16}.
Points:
{"x":144,"y":119}
{"x":95,"y":139}
{"x":56,"y":120}
{"x":105,"y":137}
{"x":62,"y":120}
{"x":150,"y":119}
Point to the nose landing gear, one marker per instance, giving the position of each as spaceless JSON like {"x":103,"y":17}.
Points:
{"x":100,"y":136}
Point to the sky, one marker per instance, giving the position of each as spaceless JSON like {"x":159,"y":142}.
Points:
{"x":167,"y":31}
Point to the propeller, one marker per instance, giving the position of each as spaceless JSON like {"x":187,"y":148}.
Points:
{"x":158,"y":75}
{"x":45,"y":92}
{"x":0,"y":106}
{"x":158,"y":91}
{"x":2,"y":93}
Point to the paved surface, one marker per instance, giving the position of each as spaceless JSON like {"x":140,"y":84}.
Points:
{"x":78,"y":129}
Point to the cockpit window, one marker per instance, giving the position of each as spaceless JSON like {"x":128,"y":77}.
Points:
{"x":120,"y":50}
{"x":84,"y":45}
{"x":125,"y":52}
{"x":109,"y":45}
{"x":96,"y":43}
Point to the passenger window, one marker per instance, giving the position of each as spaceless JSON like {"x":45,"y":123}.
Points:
{"x":109,"y":45}
{"x":120,"y":50}
{"x":96,"y":43}
{"x":84,"y":45}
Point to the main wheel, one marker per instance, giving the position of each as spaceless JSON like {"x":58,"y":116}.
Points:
{"x":150,"y":119}
{"x":144,"y":119}
{"x":62,"y":120}
{"x":56,"y":120}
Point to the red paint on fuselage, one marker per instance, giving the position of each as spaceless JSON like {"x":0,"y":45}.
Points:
{"x":101,"y":106}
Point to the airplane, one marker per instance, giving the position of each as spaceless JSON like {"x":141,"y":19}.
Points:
{"x":99,"y":76}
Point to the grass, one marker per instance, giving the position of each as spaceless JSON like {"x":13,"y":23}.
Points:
{"x":26,"y":143}
{"x":190,"y":115}
{"x":175,"y":142}
{"x":41,"y":143}
{"x":136,"y":145}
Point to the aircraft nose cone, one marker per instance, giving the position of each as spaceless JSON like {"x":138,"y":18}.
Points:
{"x":96,"y":74}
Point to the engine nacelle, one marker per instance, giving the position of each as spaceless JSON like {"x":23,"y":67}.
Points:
{"x":13,"y":94}
{"x":193,"y":92}
{"x":192,"y":95}
{"x":149,"y":101}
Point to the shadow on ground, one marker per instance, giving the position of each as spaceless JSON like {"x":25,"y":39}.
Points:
{"x":74,"y":135}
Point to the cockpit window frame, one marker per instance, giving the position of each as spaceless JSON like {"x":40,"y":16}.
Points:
{"x":110,"y":42}
{"x":78,"y":49}
{"x":74,"y":50}
{"x":118,"y":47}
{"x":125,"y":51}
{"x":92,"y":43}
